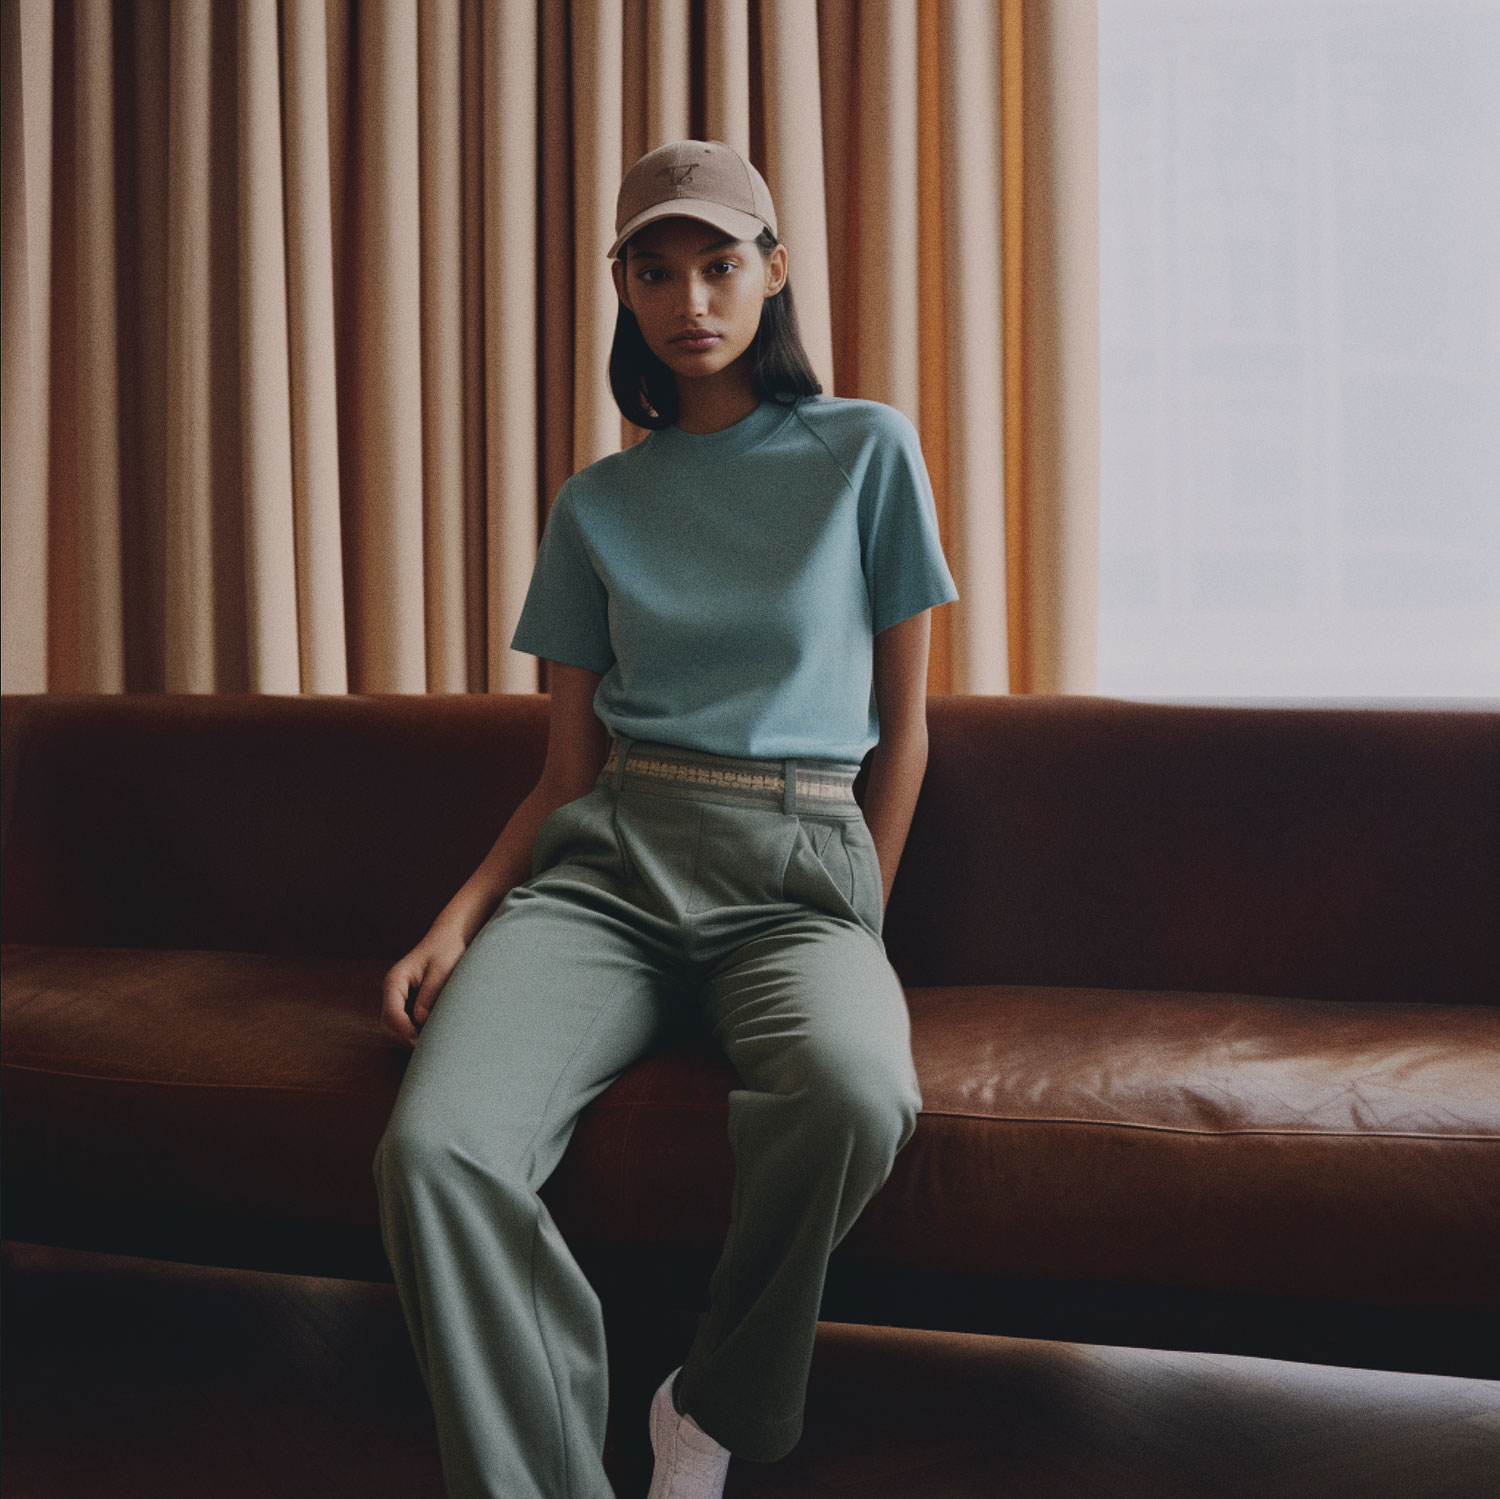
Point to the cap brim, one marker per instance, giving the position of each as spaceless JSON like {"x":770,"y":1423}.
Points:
{"x":730,"y":220}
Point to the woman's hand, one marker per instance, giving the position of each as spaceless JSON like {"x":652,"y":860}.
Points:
{"x":424,"y":969}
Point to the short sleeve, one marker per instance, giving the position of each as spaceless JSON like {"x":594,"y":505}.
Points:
{"x":565,"y":615}
{"x":905,"y":570}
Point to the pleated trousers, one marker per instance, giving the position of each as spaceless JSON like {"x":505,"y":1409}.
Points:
{"x":683,"y":889}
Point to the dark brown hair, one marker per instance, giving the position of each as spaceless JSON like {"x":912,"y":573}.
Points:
{"x":643,"y":384}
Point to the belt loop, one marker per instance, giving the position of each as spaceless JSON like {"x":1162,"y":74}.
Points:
{"x":622,"y":751}
{"x":789,"y":799}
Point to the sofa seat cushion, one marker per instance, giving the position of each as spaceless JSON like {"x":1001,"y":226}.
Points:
{"x":1237,"y":1142}
{"x":1299,"y":1147}
{"x":228,"y":1081}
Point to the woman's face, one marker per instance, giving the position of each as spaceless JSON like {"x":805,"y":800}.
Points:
{"x":681,"y":274}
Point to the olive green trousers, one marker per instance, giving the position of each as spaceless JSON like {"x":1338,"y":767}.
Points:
{"x":652,"y":903}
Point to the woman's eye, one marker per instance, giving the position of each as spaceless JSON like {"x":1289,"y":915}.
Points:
{"x":651,"y":270}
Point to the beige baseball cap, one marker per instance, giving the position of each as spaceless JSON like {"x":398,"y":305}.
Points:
{"x":706,"y":180}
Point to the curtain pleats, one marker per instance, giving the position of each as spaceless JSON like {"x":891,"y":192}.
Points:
{"x":384,"y":517}
{"x":322,"y":659}
{"x":971,"y":251}
{"x":202,"y":466}
{"x":472,"y":392}
{"x":1059,"y":556}
{"x":792,"y":157}
{"x":307,"y":315}
{"x":26,"y":42}
{"x":513,"y":330}
{"x":265,"y":396}
{"x":440,"y":101}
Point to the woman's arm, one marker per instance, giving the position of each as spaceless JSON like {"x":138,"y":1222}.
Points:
{"x":577,"y":746}
{"x":899,"y":761}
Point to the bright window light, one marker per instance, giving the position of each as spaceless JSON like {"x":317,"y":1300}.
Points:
{"x":1300,"y":308}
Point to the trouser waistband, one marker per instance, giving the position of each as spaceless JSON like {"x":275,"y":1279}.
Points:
{"x":791,"y":784}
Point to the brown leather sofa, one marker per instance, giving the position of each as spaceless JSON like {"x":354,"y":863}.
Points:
{"x":1205,"y":1006}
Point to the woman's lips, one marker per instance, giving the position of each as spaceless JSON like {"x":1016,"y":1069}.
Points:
{"x":696,"y":345}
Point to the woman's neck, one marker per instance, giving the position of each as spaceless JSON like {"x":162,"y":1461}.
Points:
{"x":706,"y":405}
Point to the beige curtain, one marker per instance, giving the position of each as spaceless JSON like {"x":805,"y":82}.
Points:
{"x":306,"y":314}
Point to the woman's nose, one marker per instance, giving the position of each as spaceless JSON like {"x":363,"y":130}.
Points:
{"x":699,"y":294}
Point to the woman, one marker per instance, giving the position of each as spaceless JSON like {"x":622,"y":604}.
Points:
{"x":741,"y":601}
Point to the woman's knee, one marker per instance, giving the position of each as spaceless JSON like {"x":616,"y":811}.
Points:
{"x":433,"y":1151}
{"x":874,"y":1099}
{"x":409,"y":1151}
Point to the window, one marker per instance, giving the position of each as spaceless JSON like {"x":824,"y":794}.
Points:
{"x":1300,"y":319}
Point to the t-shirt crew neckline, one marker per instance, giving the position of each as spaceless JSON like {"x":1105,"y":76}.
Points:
{"x":728,"y":442}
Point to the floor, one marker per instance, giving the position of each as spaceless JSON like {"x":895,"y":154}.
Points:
{"x":138,"y":1379}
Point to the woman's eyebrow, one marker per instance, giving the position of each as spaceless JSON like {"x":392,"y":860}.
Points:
{"x":718,"y":244}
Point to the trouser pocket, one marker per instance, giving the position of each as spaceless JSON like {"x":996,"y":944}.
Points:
{"x":834,"y":868}
{"x":581,"y":832}
{"x":864,"y":863}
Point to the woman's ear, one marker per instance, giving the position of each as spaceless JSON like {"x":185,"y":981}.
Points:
{"x":775,"y":270}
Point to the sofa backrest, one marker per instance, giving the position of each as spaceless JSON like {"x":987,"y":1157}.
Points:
{"x":1335,"y":853}
{"x":283,"y":824}
{"x":1323,"y":853}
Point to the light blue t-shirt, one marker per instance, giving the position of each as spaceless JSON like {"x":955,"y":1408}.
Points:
{"x":729,"y":584}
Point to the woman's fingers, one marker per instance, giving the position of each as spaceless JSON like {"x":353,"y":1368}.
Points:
{"x":433,"y":979}
{"x":396,"y":1023}
{"x":420,"y":977}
